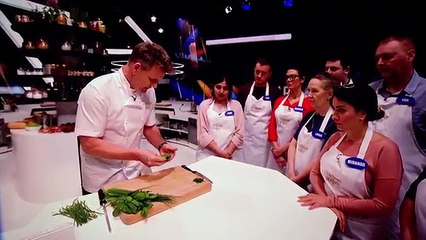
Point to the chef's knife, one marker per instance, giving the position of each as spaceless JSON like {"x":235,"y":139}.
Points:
{"x":196,"y":173}
{"x":102,"y":202}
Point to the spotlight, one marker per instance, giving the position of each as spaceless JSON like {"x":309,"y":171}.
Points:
{"x":160,"y":30}
{"x":228,"y":9}
{"x":288,"y":3}
{"x":153,"y":18}
{"x":246,"y":5}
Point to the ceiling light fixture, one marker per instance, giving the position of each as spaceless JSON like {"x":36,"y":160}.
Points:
{"x":261,"y":38}
{"x":228,"y":9}
{"x":288,"y":3}
{"x":153,"y":18}
{"x":246,"y":5}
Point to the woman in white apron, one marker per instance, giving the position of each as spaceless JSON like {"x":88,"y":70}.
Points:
{"x":314,"y":131}
{"x":359,"y":171}
{"x":286,"y":116}
{"x":220,"y":123}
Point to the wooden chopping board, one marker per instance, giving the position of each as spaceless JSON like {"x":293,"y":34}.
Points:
{"x":175,"y":181}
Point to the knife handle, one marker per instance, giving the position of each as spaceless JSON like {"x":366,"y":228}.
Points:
{"x":101,"y":196}
{"x":187,"y":168}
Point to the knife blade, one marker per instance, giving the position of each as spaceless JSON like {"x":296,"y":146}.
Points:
{"x":196,"y":173}
{"x":102,"y":202}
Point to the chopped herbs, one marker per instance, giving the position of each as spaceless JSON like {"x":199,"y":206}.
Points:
{"x":79,"y":212}
{"x":132,"y":202}
{"x":166,"y":156}
{"x":198,"y":180}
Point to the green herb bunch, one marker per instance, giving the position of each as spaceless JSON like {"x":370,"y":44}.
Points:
{"x":132,"y":202}
{"x":79,"y":212}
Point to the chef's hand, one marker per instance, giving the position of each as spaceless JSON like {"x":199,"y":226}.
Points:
{"x":151,"y":159}
{"x":341,"y":218}
{"x":314,"y":200}
{"x":168,"y":149}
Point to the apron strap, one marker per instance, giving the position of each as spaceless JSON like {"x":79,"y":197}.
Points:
{"x":326,"y":118}
{"x":266,"y":90}
{"x":301,"y":98}
{"x":365,"y":143}
{"x":340,"y":140}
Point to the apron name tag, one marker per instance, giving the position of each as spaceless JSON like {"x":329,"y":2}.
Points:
{"x":266,"y":98}
{"x":298,"y":109}
{"x":406,"y":100}
{"x":356,"y":163}
{"x":318,"y":135}
{"x":229,"y":113}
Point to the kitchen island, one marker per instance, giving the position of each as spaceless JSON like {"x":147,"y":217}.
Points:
{"x":246,"y":202}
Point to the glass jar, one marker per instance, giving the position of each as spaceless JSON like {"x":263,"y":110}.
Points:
{"x":41,"y":44}
{"x":61,"y":19}
{"x":66,"y":46}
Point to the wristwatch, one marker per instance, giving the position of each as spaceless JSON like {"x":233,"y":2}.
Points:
{"x":161,"y":145}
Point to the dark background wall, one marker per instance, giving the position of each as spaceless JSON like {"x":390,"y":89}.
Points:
{"x":350,"y":26}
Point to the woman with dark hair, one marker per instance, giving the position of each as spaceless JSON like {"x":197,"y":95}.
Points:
{"x":220,"y":123}
{"x":287,"y":113}
{"x":358,"y":173}
{"x":313,"y":132}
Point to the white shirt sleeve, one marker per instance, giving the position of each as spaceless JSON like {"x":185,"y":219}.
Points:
{"x":91,"y":113}
{"x":149,"y":98}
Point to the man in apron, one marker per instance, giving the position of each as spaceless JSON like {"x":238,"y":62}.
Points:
{"x":338,"y":67}
{"x":402,"y":96}
{"x":257,"y":98}
{"x":114,"y":112}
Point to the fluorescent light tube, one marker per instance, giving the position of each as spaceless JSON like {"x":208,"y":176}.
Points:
{"x":262,"y":38}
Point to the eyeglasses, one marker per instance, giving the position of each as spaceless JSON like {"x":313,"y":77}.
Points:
{"x":219,"y":87}
{"x":291,"y":77}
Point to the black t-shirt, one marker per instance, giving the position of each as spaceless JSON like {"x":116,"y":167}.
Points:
{"x":315,"y":124}
{"x":258,"y":92}
{"x":411,"y":193}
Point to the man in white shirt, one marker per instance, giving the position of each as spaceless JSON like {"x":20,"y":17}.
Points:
{"x":114,"y":112}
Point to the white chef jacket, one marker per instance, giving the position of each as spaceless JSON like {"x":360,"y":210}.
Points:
{"x":108,"y":108}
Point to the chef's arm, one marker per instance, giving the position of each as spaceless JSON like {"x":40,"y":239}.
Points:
{"x":153,"y":135}
{"x":100,"y":148}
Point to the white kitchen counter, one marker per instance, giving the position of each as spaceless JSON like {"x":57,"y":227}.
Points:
{"x":246,"y":202}
{"x":48,"y":166}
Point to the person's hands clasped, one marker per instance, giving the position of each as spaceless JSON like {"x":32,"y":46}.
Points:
{"x":281,"y":161}
{"x":168,"y":149}
{"x":278,"y":151}
{"x":225,"y":154}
